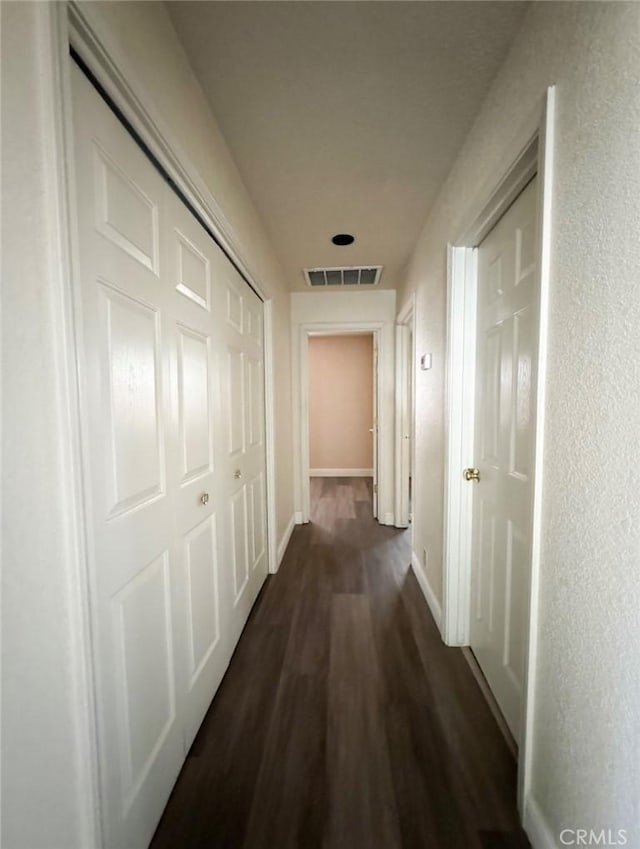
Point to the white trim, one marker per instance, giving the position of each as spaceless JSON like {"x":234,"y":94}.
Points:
{"x":404,"y":409}
{"x":298,"y":517}
{"x":54,"y":67}
{"x":328,"y":329}
{"x":270,"y":448}
{"x":408,"y":310}
{"x":284,"y":542}
{"x":545,"y":195}
{"x":537,"y":828}
{"x":341,"y":473}
{"x":114,"y":72}
{"x":388,"y":519}
{"x":425,"y":586}
{"x":532,"y":152}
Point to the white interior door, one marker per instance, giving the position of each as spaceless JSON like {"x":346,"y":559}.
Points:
{"x":127,"y":379}
{"x":171,"y":359}
{"x":244,"y":449}
{"x":507,"y":332}
{"x":193,"y":266}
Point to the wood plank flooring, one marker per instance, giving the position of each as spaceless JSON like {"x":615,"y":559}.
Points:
{"x":343,"y":721}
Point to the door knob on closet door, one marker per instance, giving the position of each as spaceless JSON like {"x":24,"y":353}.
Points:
{"x":204,"y":498}
{"x":237,"y":474}
{"x":471,"y":475}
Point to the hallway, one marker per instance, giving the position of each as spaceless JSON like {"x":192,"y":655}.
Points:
{"x":343,"y":720}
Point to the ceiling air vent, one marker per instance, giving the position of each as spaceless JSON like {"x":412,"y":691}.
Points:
{"x":352,"y":275}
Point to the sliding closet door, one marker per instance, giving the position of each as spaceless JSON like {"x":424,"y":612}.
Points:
{"x":126,"y":367}
{"x":171,"y":357}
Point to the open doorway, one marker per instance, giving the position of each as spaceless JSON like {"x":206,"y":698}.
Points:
{"x":343,"y":449}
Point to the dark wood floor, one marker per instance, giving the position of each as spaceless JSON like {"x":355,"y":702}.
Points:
{"x":343,"y":722}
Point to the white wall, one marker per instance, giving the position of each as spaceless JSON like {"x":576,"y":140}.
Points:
{"x":330,"y":308}
{"x":46,"y":766}
{"x":46,"y":739}
{"x":586,"y":761}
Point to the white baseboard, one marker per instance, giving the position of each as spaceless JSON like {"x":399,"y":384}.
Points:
{"x":341,"y":473}
{"x":388,"y":519}
{"x":425,"y":586}
{"x":536,"y":826}
{"x":284,"y":542}
{"x":297,"y":517}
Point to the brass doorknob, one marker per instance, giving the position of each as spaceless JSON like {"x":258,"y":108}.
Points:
{"x":204,"y":498}
{"x":471,"y":474}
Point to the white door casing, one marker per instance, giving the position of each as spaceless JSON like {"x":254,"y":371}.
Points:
{"x":506,"y":358}
{"x":374,"y":378}
{"x":404,"y":423}
{"x":153,"y":340}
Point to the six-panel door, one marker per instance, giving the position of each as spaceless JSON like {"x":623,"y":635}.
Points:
{"x":172,"y":377}
{"x":507,"y":322}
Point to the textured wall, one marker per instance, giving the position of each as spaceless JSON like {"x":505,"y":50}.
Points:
{"x":587,"y":738}
{"x":145,"y":38}
{"x":340,"y":402}
{"x":46,"y":778}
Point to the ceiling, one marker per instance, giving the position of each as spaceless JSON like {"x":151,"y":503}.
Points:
{"x":345,"y":116}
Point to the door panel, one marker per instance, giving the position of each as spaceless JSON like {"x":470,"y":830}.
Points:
{"x":142,"y":625}
{"x":171,"y":355}
{"x":194,"y":407}
{"x":243,"y":398}
{"x":126,"y":378}
{"x":236,"y":394}
{"x":203,"y":616}
{"x":502,"y":502}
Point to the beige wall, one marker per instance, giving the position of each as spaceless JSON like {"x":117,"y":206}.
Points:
{"x":340,"y":402}
{"x":586,"y":759}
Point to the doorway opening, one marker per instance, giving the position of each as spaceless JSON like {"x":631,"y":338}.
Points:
{"x":342,"y":422}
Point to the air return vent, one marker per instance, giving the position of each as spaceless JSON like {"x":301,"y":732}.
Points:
{"x":353,"y":275}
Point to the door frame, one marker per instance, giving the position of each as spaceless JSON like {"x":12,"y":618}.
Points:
{"x":330,"y":329}
{"x":530,"y":153}
{"x":405,"y":409}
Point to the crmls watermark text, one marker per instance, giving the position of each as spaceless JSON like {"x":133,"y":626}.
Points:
{"x":593,"y":837}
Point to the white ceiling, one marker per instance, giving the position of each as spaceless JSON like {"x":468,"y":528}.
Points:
{"x":345,"y":116}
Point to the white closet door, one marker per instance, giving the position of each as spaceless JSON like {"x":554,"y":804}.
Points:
{"x":192,"y":262}
{"x":244,"y":464}
{"x":127,"y":381}
{"x":504,"y":434}
{"x":172,"y":368}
